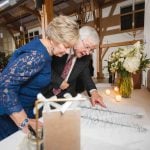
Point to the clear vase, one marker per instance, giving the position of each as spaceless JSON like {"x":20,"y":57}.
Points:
{"x":125,"y":84}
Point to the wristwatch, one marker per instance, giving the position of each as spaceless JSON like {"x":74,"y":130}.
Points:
{"x":24,"y":123}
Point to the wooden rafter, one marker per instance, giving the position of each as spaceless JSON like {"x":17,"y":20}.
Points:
{"x":33,"y":12}
{"x":106,"y":49}
{"x":102,"y":37}
{"x":12,"y":28}
{"x":14,"y":19}
{"x":101,"y":2}
{"x":49,"y":10}
{"x":110,"y":15}
{"x":59,"y":2}
{"x":118,"y":31}
{"x":120,"y":44}
{"x":111,"y":3}
{"x":12,"y":7}
{"x":73,"y":10}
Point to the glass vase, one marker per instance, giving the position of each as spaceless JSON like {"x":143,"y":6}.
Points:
{"x":125,"y":84}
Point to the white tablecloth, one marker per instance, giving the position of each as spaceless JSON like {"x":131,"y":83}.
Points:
{"x":104,"y":135}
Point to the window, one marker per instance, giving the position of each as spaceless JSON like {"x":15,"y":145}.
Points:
{"x":31,"y":35}
{"x":19,"y":40}
{"x":132,"y":18}
{"x":25,"y":38}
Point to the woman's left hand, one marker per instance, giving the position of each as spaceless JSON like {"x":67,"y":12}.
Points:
{"x":32,"y":123}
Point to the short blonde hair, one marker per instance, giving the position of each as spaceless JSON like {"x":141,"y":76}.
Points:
{"x":63,"y":29}
{"x":90,"y":33}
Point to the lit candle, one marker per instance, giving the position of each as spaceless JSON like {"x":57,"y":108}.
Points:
{"x":116,"y":89}
{"x":118,"y":98}
{"x":107,"y":91}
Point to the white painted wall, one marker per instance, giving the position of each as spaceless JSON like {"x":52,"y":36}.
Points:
{"x":8,"y":42}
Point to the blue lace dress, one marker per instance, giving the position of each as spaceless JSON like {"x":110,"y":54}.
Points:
{"x":28,"y":71}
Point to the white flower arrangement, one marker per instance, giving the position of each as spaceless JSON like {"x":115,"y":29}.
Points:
{"x":129,"y":59}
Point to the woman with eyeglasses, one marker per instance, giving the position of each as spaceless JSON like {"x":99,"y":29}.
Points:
{"x":28,"y":71}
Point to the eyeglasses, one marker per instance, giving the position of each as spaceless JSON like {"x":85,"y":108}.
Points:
{"x":88,"y":48}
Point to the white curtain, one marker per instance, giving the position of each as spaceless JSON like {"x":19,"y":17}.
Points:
{"x":147,"y":35}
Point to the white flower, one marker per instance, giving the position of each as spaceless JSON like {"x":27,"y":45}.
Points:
{"x":121,"y":59}
{"x":148,"y":65}
{"x":131,"y":64}
{"x":113,"y":54}
{"x":138,"y":55}
{"x":137,"y":45}
{"x":124,"y":52}
{"x":130,"y":59}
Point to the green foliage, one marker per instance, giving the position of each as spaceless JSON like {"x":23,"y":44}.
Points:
{"x":3,"y":60}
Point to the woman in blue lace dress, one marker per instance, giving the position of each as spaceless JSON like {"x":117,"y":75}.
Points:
{"x":28,"y":71}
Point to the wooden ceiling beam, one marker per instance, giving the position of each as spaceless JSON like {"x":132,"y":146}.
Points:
{"x":59,"y":2}
{"x":12,"y":7}
{"x":49,"y":10}
{"x":13,"y":28}
{"x":15,"y":19}
{"x":107,"y":4}
{"x":101,"y":2}
{"x":33,"y":12}
{"x":35,"y":21}
{"x":119,"y":31}
{"x":72,"y":3}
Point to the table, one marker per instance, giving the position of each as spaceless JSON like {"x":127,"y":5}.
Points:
{"x":105,"y":135}
{"x":124,"y":126}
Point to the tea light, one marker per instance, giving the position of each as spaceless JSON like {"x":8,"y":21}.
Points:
{"x":116,"y":89}
{"x":118,"y":98}
{"x":107,"y":91}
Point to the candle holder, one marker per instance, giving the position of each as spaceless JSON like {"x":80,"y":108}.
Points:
{"x":118,"y":98}
{"x":107,"y":92}
{"x":116,"y":89}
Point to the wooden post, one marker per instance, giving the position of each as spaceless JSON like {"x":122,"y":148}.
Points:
{"x":49,"y":10}
{"x":99,"y":73}
{"x":46,"y":15}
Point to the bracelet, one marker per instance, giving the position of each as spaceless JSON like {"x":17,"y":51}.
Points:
{"x":24,"y":123}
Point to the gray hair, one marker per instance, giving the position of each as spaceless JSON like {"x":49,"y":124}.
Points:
{"x":87,"y":32}
{"x":63,"y":29}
